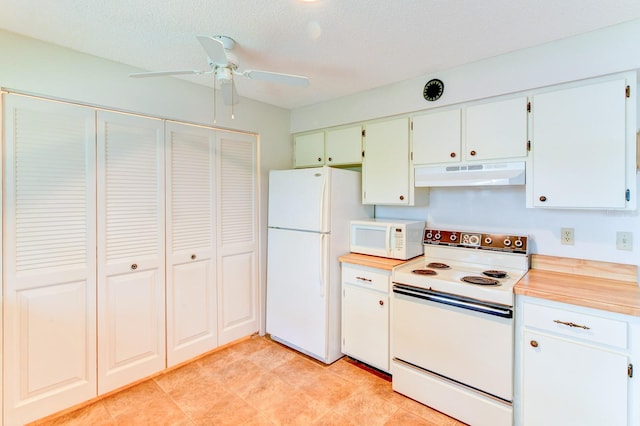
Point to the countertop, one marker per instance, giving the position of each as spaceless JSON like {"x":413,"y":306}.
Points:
{"x":371,"y":261}
{"x":583,"y":283}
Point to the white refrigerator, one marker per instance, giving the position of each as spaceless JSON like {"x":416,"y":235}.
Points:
{"x":309,"y":215}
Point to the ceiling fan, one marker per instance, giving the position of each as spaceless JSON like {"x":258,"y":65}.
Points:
{"x":223,"y":64}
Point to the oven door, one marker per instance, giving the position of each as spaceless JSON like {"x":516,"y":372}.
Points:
{"x":463,"y":340}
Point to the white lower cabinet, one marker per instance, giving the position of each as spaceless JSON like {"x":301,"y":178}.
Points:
{"x":575,"y":366}
{"x":365,"y":314}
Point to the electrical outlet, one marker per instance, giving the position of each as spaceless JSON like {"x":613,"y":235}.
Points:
{"x":624,"y":240}
{"x":566,"y":236}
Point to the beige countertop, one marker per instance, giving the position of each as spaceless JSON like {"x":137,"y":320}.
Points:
{"x":601,"y":285}
{"x":371,"y":261}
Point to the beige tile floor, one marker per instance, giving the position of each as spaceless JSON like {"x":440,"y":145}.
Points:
{"x":258,"y":382}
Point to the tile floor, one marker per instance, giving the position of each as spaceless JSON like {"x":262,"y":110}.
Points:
{"x":258,"y":382}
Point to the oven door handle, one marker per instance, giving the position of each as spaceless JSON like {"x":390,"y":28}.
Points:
{"x":458,"y":303}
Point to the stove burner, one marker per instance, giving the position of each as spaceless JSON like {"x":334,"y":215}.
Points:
{"x":495,"y":273}
{"x":479,"y":280}
{"x":438,"y":265}
{"x":424,"y":272}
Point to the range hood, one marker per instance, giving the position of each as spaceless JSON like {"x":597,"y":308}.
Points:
{"x":489,"y":174}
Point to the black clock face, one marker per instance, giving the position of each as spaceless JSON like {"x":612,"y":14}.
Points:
{"x":433,"y":90}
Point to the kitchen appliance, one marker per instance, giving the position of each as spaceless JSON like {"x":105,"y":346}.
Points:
{"x":489,"y":174}
{"x":392,"y":238}
{"x":308,"y":228}
{"x":452,"y":324}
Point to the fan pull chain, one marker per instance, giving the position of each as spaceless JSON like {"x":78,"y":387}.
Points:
{"x":214,"y":98}
{"x":233,"y":101}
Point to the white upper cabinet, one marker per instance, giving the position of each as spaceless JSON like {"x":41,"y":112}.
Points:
{"x":49,"y":257}
{"x":496,"y":130}
{"x":386,"y":165}
{"x":191,"y":243}
{"x":131,"y":249}
{"x":437,"y":137}
{"x":335,"y":147}
{"x":583,"y":147}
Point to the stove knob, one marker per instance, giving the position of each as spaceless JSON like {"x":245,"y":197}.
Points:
{"x":474,"y":240}
{"x":453,"y":237}
{"x":429,"y":235}
{"x":518,"y":243}
{"x":437,"y":236}
{"x":488,"y":240}
{"x":507,"y":242}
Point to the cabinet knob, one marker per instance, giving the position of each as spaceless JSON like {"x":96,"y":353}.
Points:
{"x":193,"y":257}
{"x":319,"y":158}
{"x":401,"y":197}
{"x":134,"y":266}
{"x":330,"y":159}
{"x":473,"y":153}
{"x":534,"y":343}
{"x":543,"y":198}
{"x":381,"y":302}
{"x":452,"y":155}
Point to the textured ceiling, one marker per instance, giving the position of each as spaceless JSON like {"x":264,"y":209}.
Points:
{"x":343,"y":46}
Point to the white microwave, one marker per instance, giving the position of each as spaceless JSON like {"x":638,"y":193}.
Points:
{"x":392,"y":238}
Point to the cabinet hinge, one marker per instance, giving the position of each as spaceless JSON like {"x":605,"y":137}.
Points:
{"x":630,"y":370}
{"x":529,"y":106}
{"x":362,"y":154}
{"x":411,"y":155}
{"x":364,"y":132}
{"x":627,"y":195}
{"x":627,"y":91}
{"x":528,"y":146}
{"x":412,"y":125}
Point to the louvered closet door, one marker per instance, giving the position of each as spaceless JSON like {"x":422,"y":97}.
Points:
{"x":49,"y":257}
{"x":131,"y":292}
{"x":237,"y":236}
{"x":191,"y":289}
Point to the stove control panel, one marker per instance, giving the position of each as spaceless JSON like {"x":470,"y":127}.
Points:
{"x":477,"y":240}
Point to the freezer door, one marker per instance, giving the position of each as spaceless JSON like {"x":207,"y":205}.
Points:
{"x":298,"y":199}
{"x":297,"y":301}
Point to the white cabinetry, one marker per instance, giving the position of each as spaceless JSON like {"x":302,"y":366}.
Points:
{"x":49,"y":257}
{"x":574,"y":365}
{"x":334,"y":147}
{"x":490,"y":131}
{"x":237,"y":236}
{"x":387,"y":172}
{"x":583,"y":147}
{"x":191,"y":242}
{"x":131,"y":241}
{"x":365,"y":314}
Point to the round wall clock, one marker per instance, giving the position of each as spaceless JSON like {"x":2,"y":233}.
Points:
{"x":433,"y":90}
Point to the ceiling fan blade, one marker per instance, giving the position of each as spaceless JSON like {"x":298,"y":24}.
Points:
{"x":215,"y":50}
{"x":162,"y":73}
{"x":229,"y":93}
{"x":291,"y":80}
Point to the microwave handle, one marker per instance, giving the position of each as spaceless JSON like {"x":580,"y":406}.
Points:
{"x":389,"y":237}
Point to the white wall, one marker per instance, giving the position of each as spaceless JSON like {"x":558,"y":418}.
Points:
{"x":607,"y":51}
{"x":32,"y":66}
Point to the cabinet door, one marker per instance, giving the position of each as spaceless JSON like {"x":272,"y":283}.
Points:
{"x":386,"y":163}
{"x":365,"y":326}
{"x":578,"y":147}
{"x":496,"y":130}
{"x":49,"y":257}
{"x":191,"y":195}
{"x":237,"y":236}
{"x":437,"y":137}
{"x":343,"y":146}
{"x":131,"y":224}
{"x":565,"y":382}
{"x":308,"y":150}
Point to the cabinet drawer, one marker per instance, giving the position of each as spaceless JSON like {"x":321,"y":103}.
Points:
{"x":362,"y":276}
{"x":592,"y":328}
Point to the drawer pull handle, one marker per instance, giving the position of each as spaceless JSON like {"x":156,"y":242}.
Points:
{"x":571,"y":324}
{"x":363,"y":279}
{"x":534,"y":343}
{"x":193,"y":257}
{"x":134,"y":266}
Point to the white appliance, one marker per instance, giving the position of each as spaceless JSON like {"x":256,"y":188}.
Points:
{"x":452,"y":324}
{"x":490,"y":174}
{"x":309,"y":214}
{"x":392,"y":238}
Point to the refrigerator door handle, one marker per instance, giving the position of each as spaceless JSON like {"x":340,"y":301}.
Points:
{"x":323,"y":264}
{"x":322,"y":200}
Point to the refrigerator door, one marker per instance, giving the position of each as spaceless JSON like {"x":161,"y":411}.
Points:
{"x":298,"y":199}
{"x":297,"y":293}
